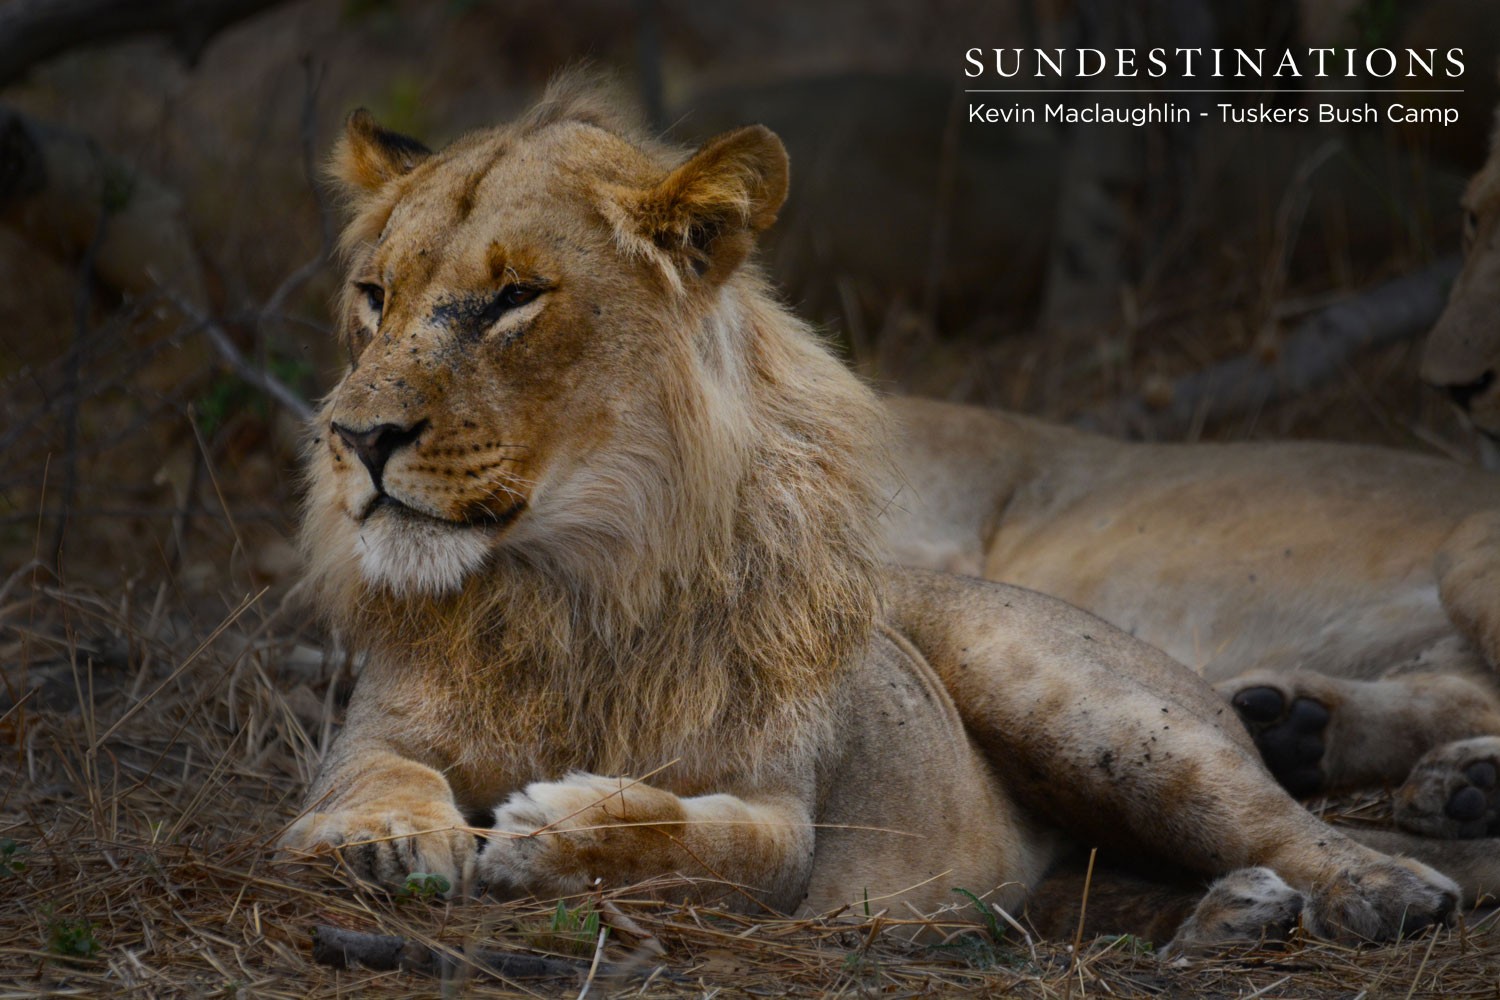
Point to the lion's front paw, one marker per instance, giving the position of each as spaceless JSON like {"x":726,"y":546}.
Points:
{"x":1380,"y":899}
{"x":1453,"y":791}
{"x":387,"y":842}
{"x":556,"y":837}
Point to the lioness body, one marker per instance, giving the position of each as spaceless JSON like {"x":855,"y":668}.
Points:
{"x":1293,"y":566}
{"x":1229,"y":558}
{"x":599,"y":509}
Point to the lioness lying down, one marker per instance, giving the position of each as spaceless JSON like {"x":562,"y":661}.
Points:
{"x":596,"y":505}
{"x":1345,"y":599}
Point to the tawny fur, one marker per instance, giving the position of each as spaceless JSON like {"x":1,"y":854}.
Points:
{"x":631,"y":528}
{"x":748,"y":548}
{"x":1363,"y":579}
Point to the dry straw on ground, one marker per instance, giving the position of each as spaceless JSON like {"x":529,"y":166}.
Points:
{"x":134,"y":859}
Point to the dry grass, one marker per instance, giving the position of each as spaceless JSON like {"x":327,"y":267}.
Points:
{"x":150,"y":760}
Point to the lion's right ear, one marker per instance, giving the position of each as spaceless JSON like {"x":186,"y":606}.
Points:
{"x":368,"y":157}
{"x":702,"y":219}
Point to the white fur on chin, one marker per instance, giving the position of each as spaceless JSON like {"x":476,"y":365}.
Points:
{"x":418,"y":557}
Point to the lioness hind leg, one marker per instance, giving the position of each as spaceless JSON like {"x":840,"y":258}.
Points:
{"x":1317,"y":733}
{"x":1110,"y":740}
{"x":1454,"y":791}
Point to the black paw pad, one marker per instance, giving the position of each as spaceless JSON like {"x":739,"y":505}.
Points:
{"x":1290,"y":738}
{"x":1259,"y":704}
{"x":1466,"y":805}
{"x":1481,"y":774}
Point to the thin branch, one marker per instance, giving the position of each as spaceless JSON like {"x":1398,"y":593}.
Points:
{"x":341,"y":949}
{"x":326,"y":219}
{"x":83,"y":296}
{"x":266,"y":382}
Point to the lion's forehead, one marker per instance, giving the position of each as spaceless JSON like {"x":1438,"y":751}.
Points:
{"x":553,"y":170}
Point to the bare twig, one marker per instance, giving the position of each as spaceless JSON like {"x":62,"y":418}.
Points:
{"x":266,"y":382}
{"x":83,"y":298}
{"x":342,"y":949}
{"x":326,"y":220}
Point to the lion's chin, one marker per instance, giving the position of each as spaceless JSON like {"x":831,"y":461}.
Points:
{"x":419,"y":556}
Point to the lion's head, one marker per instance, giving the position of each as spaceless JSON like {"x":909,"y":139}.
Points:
{"x":574,"y":416}
{"x":1463,"y":351}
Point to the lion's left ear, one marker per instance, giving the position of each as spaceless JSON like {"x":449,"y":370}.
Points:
{"x":705,"y":214}
{"x":369,"y":156}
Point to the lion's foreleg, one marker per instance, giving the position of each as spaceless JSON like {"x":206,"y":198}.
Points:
{"x":561,"y":837}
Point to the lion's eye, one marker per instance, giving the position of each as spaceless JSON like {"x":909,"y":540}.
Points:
{"x":517,"y":295}
{"x":374,"y":296}
{"x":510,"y":297}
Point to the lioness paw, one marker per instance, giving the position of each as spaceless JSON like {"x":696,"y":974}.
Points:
{"x":386,"y":845}
{"x":1289,"y":729}
{"x":1380,"y":899}
{"x":1453,"y":791}
{"x":1248,"y":905}
{"x":556,"y":838}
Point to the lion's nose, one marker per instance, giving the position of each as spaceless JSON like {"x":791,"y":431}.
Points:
{"x":376,"y":445}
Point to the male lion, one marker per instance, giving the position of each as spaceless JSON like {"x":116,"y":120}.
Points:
{"x":1463,"y":351}
{"x":595,"y":504}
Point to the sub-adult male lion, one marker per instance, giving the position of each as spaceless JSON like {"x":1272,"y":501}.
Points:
{"x":596,"y":505}
{"x":1462,"y":355}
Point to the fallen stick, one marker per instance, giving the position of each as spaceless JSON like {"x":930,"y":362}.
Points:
{"x":341,"y":949}
{"x":1317,"y":350}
